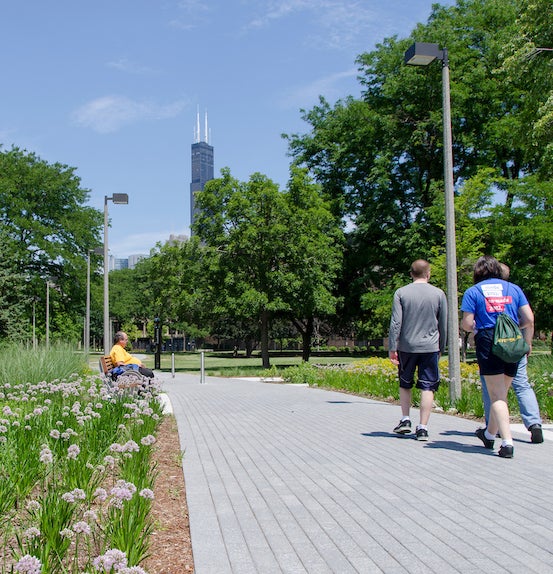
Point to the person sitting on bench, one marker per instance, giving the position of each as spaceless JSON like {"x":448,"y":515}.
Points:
{"x":123,"y":360}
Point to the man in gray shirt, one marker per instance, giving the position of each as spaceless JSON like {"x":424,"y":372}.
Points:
{"x":418,"y":335}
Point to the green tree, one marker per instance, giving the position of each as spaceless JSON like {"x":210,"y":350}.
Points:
{"x":14,"y":300}
{"x":173,"y":286}
{"x":271,"y":253}
{"x":379,"y":158}
{"x":49,"y":230}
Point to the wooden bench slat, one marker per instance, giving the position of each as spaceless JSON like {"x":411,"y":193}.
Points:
{"x":107,"y":364}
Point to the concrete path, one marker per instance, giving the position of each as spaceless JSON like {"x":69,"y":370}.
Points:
{"x":290,"y":479}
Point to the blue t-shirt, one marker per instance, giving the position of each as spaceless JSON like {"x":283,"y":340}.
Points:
{"x":491,"y":297}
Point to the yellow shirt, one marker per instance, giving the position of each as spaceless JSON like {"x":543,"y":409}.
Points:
{"x":119,"y":354}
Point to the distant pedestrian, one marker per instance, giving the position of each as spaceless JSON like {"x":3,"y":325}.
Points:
{"x":418,"y":335}
{"x":482,"y":304}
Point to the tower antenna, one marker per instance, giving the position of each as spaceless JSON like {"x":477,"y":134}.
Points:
{"x":197,"y":135}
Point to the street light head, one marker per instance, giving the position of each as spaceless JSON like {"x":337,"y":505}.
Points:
{"x":120,"y":198}
{"x":422,"y":54}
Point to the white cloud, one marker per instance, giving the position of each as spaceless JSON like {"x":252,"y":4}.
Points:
{"x":110,"y":113}
{"x":308,"y":94}
{"x":192,"y":13}
{"x":340,"y":23}
{"x":125,"y":65}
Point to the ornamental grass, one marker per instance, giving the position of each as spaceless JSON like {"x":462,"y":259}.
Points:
{"x":76,"y":478}
{"x":377,"y":378}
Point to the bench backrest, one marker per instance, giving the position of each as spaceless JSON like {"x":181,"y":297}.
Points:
{"x":106,"y":364}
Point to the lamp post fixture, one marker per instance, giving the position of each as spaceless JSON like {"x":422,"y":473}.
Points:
{"x":422,"y":54}
{"x":96,"y":251}
{"x":47,"y":314}
{"x":118,"y":199}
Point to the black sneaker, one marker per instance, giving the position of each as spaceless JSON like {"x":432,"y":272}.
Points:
{"x":487,"y":442}
{"x":537,"y":433}
{"x":421,"y":434}
{"x":404,"y":427}
{"x":506,"y":451}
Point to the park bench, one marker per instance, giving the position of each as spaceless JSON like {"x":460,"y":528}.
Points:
{"x":130,"y":381}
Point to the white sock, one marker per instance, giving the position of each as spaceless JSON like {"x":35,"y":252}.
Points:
{"x":407,"y":418}
{"x":506,"y":442}
{"x":488,"y":435}
{"x":425,"y":427}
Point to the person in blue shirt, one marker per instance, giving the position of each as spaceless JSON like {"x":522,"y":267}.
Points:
{"x":482,"y":304}
{"x":526,"y":397}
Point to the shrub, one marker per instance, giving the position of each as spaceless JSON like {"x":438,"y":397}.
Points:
{"x":302,"y":374}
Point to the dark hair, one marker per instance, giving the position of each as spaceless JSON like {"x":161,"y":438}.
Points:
{"x":487,"y":267}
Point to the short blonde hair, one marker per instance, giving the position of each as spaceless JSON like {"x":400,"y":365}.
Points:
{"x":420,"y":269}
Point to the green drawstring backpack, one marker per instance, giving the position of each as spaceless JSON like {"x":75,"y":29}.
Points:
{"x":508,"y":342}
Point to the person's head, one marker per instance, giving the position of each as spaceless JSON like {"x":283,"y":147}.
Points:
{"x":487,"y":267}
{"x":505,"y":271}
{"x":420,"y":269}
{"x":121,"y":338}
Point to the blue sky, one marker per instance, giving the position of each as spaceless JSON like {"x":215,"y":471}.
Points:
{"x":112,"y":88}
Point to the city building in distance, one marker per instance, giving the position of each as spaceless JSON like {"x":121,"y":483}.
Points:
{"x":202,"y":163}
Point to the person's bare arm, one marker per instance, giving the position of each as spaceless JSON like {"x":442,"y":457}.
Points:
{"x":526,"y":323}
{"x":467,"y":322}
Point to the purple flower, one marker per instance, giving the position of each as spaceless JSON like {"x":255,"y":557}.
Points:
{"x":81,"y":528}
{"x":33,"y":505}
{"x":46,"y":455}
{"x":68,"y":497}
{"x":28,"y":565}
{"x":101,"y":494}
{"x":31,"y":533}
{"x":123,"y":490}
{"x":73,"y":451}
{"x":74,"y":495}
{"x":148,"y":440}
{"x":131,"y":446}
{"x":111,"y":559}
{"x":146,"y":493}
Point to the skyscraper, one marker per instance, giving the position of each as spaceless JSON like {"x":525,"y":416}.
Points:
{"x":202,"y":164}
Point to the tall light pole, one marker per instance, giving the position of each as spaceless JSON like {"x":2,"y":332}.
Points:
{"x":47,"y":314}
{"x":422,"y":54}
{"x":118,"y":199}
{"x":96,"y":251}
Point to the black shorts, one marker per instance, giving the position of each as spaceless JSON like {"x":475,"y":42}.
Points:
{"x":488,"y":363}
{"x":428,"y":372}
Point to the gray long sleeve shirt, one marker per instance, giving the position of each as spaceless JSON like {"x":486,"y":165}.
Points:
{"x":419,"y":319}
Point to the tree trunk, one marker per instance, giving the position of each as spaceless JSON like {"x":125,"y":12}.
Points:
{"x":248,"y":343}
{"x":265,"y":339}
{"x":306,"y":336}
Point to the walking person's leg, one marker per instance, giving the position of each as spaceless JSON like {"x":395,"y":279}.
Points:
{"x":406,"y":373}
{"x":498,"y":385}
{"x":428,"y":382}
{"x":527,"y":401}
{"x":427,"y":402}
{"x":485,"y":399}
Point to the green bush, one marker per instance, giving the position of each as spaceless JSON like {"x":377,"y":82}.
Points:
{"x":377,"y":377}
{"x":302,"y":374}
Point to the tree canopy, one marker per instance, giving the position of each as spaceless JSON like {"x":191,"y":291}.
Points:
{"x":46,"y":231}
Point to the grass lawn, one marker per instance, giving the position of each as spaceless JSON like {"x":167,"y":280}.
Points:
{"x":224,"y":364}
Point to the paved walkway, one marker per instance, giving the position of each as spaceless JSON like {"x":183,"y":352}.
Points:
{"x":284,"y":478}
